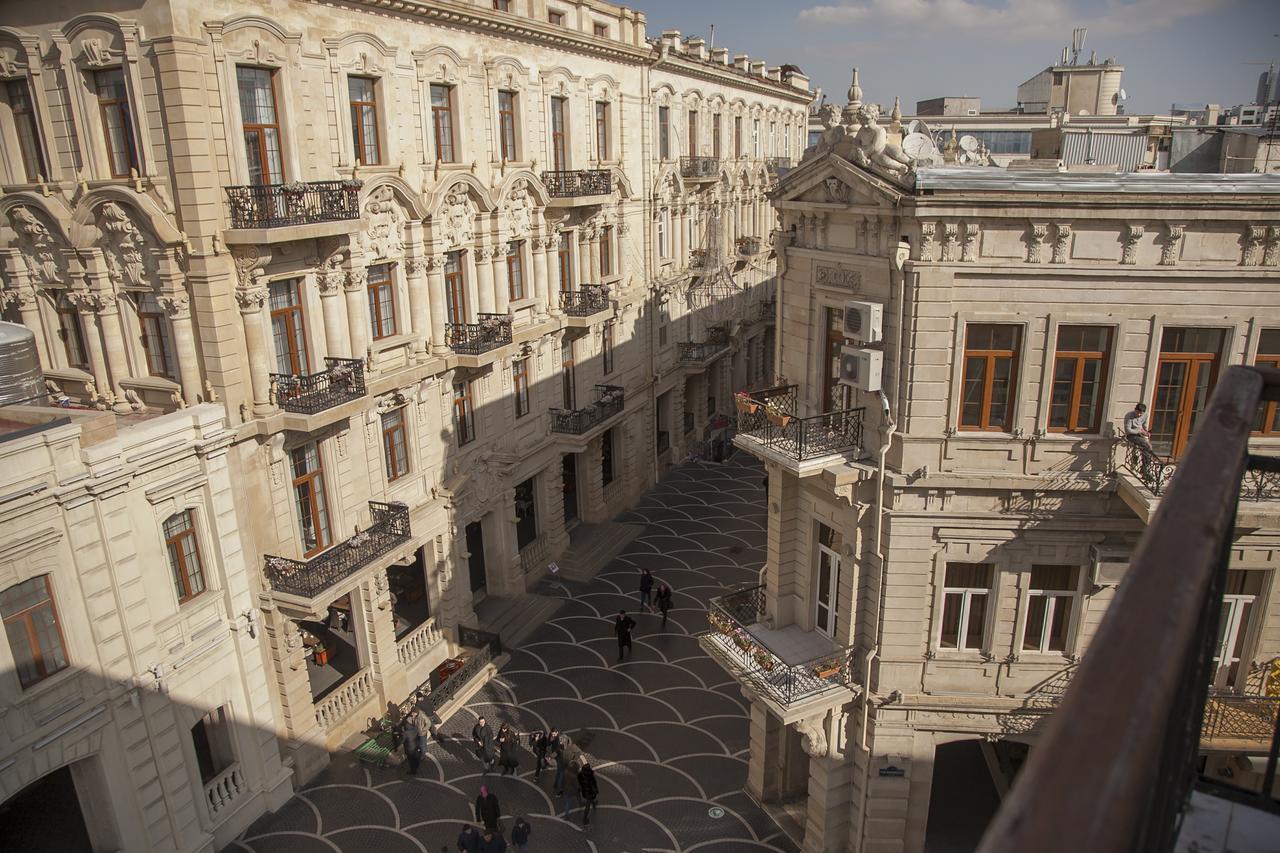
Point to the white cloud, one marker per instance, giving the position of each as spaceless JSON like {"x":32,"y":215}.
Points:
{"x":1012,"y":17}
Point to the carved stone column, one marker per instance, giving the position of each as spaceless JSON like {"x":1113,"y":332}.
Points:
{"x":357,"y":293}
{"x":374,"y":598}
{"x":86,"y":307}
{"x":540,"y":292}
{"x":435,"y":298}
{"x":113,"y":338}
{"x":178,"y":309}
{"x":554,"y":285}
{"x":501,"y":284}
{"x":679,"y":241}
{"x":620,"y":261}
{"x":596,"y":273}
{"x":484,"y":279}
{"x":415,"y":273}
{"x":329,"y":283}
{"x":305,"y":740}
{"x":29,"y":309}
{"x":585,"y":270}
{"x":251,"y":298}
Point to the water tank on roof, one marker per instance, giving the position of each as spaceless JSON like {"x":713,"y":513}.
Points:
{"x":21,"y":379}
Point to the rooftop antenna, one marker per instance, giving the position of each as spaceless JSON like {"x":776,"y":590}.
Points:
{"x":1077,"y":42}
{"x":712,"y":40}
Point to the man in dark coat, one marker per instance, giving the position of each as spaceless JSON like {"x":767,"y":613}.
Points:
{"x":538,"y":742}
{"x":520,"y":835}
{"x":622,"y":627}
{"x":482,"y":737}
{"x":663,"y":600}
{"x":409,"y":740}
{"x":468,"y":839}
{"x":646,"y":588}
{"x":487,"y":809}
{"x":492,"y":842}
{"x":561,"y":759}
{"x":588,"y":790}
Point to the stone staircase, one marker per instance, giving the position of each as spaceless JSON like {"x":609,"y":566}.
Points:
{"x":592,"y":546}
{"x":513,"y":618}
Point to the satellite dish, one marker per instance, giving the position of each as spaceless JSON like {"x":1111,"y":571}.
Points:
{"x":1123,"y":96}
{"x":918,"y":146}
{"x":918,"y":126}
{"x":969,"y":143}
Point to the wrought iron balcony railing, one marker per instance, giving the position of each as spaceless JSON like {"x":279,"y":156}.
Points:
{"x":748,"y":246}
{"x":768,"y":310}
{"x":298,"y":203}
{"x":731,"y":616}
{"x":699,"y":167}
{"x":588,"y":299}
{"x":700,"y":352}
{"x":609,"y":401}
{"x":1118,"y":774}
{"x":768,"y":416}
{"x":488,"y":333}
{"x":778,"y":165}
{"x":578,"y":182}
{"x":341,"y":380}
{"x":309,"y":578}
{"x":1155,"y":472}
{"x":1239,"y":717}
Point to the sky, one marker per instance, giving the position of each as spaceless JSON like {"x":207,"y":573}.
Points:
{"x":1173,"y":51}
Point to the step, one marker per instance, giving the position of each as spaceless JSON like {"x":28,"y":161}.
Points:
{"x":592,"y":546}
{"x":513,"y":618}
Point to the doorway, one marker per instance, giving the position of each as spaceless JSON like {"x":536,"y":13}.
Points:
{"x":475,"y":560}
{"x":569,"y":474}
{"x":1242,"y":591}
{"x":828,"y":581}
{"x":962,"y":799}
{"x":46,"y":815}
{"x":1185,"y":376}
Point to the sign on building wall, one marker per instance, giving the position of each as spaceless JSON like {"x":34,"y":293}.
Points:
{"x":836,"y":277}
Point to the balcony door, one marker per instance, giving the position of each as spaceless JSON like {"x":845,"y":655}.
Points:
{"x":287,"y":330}
{"x":836,"y":397}
{"x":475,"y":558}
{"x":1185,"y":377}
{"x":455,"y":300}
{"x":559,"y":152}
{"x":261,"y":125}
{"x":1243,"y":588}
{"x":827,"y":582}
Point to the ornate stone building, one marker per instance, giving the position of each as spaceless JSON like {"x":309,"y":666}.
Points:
{"x":951,"y":504}
{"x":464,"y":275}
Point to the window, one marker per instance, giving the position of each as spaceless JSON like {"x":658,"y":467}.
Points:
{"x":715,"y":135}
{"x":24,"y":124}
{"x":31,"y":623}
{"x":184,"y":556}
{"x":564,"y":257}
{"x":526,"y":514}
{"x":606,"y":457}
{"x":520,"y":385}
{"x":838,"y":394}
{"x":502,"y":5}
{"x":464,"y":425}
{"x":455,"y":299}
{"x":606,"y":251}
{"x":309,"y":498}
{"x":155,"y":336}
{"x":664,"y":133}
{"x":1241,"y":594}
{"x":117,"y":125}
{"x":515,"y":271}
{"x":1268,"y":421}
{"x":606,"y":347}
{"x":737,"y":136}
{"x":507,"y":124}
{"x":1185,"y":376}
{"x":261,"y":125}
{"x":662,"y":233}
{"x":990,"y":356}
{"x":211,"y":739}
{"x":71,"y":332}
{"x":964,"y":606}
{"x":600,"y":31}
{"x":382,"y":303}
{"x":827,"y":600}
{"x":755,"y":138}
{"x":1049,"y":607}
{"x":556,"y":19}
{"x":664,"y":321}
{"x":287,"y":330}
{"x":442,"y":122}
{"x":559,"y":153}
{"x":364,"y":120}
{"x":395,"y":448}
{"x":1079,"y":379}
{"x":602,"y":130}
{"x":693,"y":133}
{"x":567,"y":385}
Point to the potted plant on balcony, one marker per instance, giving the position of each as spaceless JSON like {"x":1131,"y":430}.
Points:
{"x":775,"y":411}
{"x":320,"y":653}
{"x":746,"y":404}
{"x":826,"y":668}
{"x":763,"y":659}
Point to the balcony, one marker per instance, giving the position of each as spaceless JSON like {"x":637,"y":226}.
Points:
{"x":1144,"y":477}
{"x":1116,"y":769}
{"x":699,"y":354}
{"x":778,"y":165}
{"x":569,"y":188}
{"x":488,"y":333}
{"x":271,"y":213}
{"x":700,"y":168}
{"x":609,"y":402}
{"x":747,"y":246}
{"x":767,"y":311}
{"x":697,"y":259}
{"x":306,"y":580}
{"x":340,"y":382}
{"x":791,"y":669}
{"x":769,"y":428}
{"x":584,"y":303}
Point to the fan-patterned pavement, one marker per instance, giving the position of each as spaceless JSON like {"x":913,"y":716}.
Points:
{"x":667,"y":730}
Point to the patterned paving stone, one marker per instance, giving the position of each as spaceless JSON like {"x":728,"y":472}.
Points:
{"x":667,"y":730}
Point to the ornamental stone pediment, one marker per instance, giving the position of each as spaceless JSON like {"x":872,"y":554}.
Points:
{"x":831,"y":180}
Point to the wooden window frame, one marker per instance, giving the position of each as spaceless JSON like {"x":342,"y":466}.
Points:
{"x":600,"y":31}
{"x":1046,"y":617}
{"x":502,"y":5}
{"x":602,"y":131}
{"x":444,"y":129}
{"x":124,"y":109}
{"x":520,"y":385}
{"x":515,"y":270}
{"x":564,"y":258}
{"x":358,"y":108}
{"x":606,"y":348}
{"x":396,"y":459}
{"x":991,"y":357}
{"x":559,"y":121}
{"x":71,"y":333}
{"x":1195,"y":362}
{"x":17,"y":92}
{"x":664,"y":133}
{"x":693,"y":133}
{"x":606,"y":251}
{"x":293,"y":317}
{"x":154,"y":334}
{"x":455,"y":289}
{"x":507,"y":148}
{"x":463,"y":413}
{"x":314,"y":481}
{"x":38,"y":655}
{"x":966,"y":595}
{"x":1269,"y":411}
{"x":379,"y":289}
{"x":715,"y":135}
{"x":264,"y":161}
{"x":1081,"y":359}
{"x":182,"y":573}
{"x":608,"y":466}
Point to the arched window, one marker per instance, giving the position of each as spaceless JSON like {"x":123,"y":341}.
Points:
{"x":184,"y":555}
{"x":31,"y":624}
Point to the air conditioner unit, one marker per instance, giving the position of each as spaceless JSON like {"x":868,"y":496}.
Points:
{"x":864,"y":322}
{"x":860,"y":368}
{"x":1107,"y":566}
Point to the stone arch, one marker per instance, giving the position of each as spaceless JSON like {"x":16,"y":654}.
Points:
{"x":39,"y":230}
{"x":156,"y":220}
{"x":603,"y":87}
{"x":388,"y":208}
{"x":621,"y":183}
{"x":541,"y":197}
{"x":128,"y":243}
{"x":668,"y":183}
{"x":516,"y":72}
{"x":664,"y":94}
{"x":349,"y":43}
{"x":15,"y":50}
{"x":454,"y":208}
{"x":408,"y":198}
{"x":519,"y":198}
{"x":266,"y":25}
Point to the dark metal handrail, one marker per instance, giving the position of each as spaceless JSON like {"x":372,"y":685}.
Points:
{"x":489,"y":332}
{"x":578,"y":182}
{"x":1115,"y":766}
{"x":342,"y":380}
{"x":1236,"y":716}
{"x":297,"y":203}
{"x":700,"y":352}
{"x":588,"y":299}
{"x":768,"y":416}
{"x":475,"y":638}
{"x":1155,"y":472}
{"x":699,"y":167}
{"x":762,"y":668}
{"x":609,"y":402}
{"x":768,"y":310}
{"x":309,"y":578}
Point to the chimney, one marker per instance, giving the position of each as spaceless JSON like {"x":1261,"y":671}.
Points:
{"x":741,"y":61}
{"x":757,"y":68}
{"x":720,"y":55}
{"x":671,"y":39}
{"x":775,"y":74}
{"x":696,"y":48}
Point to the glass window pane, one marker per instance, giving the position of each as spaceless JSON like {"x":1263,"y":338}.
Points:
{"x":975,"y":370}
{"x":1057,"y":578}
{"x":976,"y":629}
{"x":951,"y":606}
{"x":1035,"y":623}
{"x":1061,"y":619}
{"x":1000,"y":390}
{"x":1064,"y":371}
{"x":257,"y":100}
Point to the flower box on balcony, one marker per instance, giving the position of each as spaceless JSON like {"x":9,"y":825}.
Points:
{"x":778,"y":419}
{"x":320,"y":654}
{"x":826,"y":669}
{"x":746,"y":405}
{"x":763,"y":659}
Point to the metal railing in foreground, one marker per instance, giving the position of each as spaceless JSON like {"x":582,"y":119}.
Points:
{"x":1117,"y":762}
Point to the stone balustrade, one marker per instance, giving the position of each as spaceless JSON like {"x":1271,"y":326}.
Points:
{"x":416,"y":643}
{"x":222,"y":790}
{"x":339,"y":705}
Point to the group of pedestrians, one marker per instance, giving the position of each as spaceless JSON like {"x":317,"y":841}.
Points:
{"x":652,"y":600}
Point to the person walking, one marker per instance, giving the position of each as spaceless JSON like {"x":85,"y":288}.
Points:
{"x":482,"y":737}
{"x":622,"y":627}
{"x":487,"y":809}
{"x":569,"y":795}
{"x":508,"y":755}
{"x":468,"y":839}
{"x":646,"y":589}
{"x":663,"y":599}
{"x":561,"y":759}
{"x":520,"y":835}
{"x":588,"y":790}
{"x":409,"y":740}
{"x":538,"y":743}
{"x":492,"y":842}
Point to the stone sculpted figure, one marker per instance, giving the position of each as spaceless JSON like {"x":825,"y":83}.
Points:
{"x":871,"y":146}
{"x":832,"y":133}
